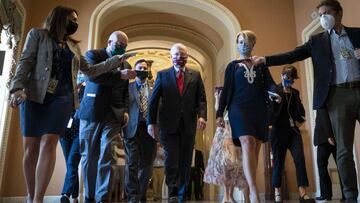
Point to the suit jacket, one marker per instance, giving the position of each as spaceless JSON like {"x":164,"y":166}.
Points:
{"x":319,"y":49}
{"x":134,"y":108}
{"x":323,"y":128}
{"x":104,"y":94}
{"x":297,"y":108}
{"x":173,"y":107}
{"x":35,"y":64}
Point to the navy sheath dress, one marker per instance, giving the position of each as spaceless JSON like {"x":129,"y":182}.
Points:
{"x":248,"y":112}
{"x":53,"y":115}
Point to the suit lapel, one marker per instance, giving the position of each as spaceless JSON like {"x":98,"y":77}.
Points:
{"x":133,"y":90}
{"x":327,"y":46}
{"x":187,"y":79}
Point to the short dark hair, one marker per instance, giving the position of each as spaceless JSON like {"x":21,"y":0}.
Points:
{"x":57,"y":21}
{"x":141,"y":61}
{"x":290,"y":71}
{"x":335,"y":4}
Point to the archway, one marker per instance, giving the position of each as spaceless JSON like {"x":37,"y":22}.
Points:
{"x":212,"y":47}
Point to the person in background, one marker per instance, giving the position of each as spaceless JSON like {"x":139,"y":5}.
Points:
{"x":196,"y":175}
{"x":70,"y":145}
{"x":103,"y":113}
{"x":245,"y":97}
{"x":158,"y":172}
{"x":140,"y":148}
{"x":286,"y":118}
{"x":326,"y":145}
{"x":43,"y":84}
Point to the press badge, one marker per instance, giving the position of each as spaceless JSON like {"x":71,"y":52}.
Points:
{"x":345,"y":54}
{"x":291,"y":121}
{"x":52,"y":85}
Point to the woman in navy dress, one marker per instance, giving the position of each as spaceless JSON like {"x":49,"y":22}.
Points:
{"x":44,"y":88}
{"x":245,"y":97}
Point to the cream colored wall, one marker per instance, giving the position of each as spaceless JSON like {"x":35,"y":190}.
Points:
{"x":273,"y":21}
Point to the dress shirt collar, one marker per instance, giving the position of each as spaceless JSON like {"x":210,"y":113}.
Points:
{"x":177,"y":69}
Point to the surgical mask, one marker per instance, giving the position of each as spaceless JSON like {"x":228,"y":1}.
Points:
{"x":244,"y":49}
{"x":71,"y":27}
{"x":118,"y":50}
{"x":327,"y":21}
{"x":287,"y":82}
{"x":180,"y":62}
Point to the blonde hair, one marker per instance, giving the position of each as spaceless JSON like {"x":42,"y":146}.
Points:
{"x":248,"y":35}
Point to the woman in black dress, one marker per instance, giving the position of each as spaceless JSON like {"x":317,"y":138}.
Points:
{"x":245,"y":97}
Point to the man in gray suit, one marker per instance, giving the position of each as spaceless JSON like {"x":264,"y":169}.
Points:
{"x":139,"y":146}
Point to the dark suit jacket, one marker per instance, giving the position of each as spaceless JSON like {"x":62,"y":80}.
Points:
{"x":323,"y":128}
{"x":104,"y":94}
{"x":296,"y":108}
{"x":189,"y":106}
{"x":134,"y":109}
{"x":319,"y":49}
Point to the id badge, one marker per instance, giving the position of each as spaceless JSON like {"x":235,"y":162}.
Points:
{"x":52,"y":85}
{"x":291,"y":121}
{"x":345,"y":54}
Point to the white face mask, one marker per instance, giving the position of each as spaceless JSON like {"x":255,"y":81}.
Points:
{"x":327,"y":21}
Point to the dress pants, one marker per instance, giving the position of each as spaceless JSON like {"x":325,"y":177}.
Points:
{"x":140,"y":153}
{"x":178,"y":154}
{"x":72,"y":157}
{"x":344,"y":109}
{"x":323,"y":154}
{"x":195,"y":178}
{"x":283,"y":138}
{"x":98,"y":141}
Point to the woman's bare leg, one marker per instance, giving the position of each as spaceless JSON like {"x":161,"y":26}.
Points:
{"x":248,"y":145}
{"x":31,"y":147}
{"x":45,"y":166}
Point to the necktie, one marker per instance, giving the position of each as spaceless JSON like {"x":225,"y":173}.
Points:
{"x":143,"y":101}
{"x":180,"y":82}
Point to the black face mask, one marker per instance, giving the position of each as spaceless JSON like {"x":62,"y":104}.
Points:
{"x":71,"y":27}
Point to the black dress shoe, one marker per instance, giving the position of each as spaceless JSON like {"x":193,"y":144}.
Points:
{"x":306,"y":199}
{"x":322,"y":198}
{"x":64,"y":199}
{"x":173,"y":200}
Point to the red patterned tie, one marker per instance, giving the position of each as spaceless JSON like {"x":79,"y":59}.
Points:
{"x":180,"y":81}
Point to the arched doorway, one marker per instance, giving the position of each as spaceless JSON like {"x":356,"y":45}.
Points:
{"x":206,"y":27}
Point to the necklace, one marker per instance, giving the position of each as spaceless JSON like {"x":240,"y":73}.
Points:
{"x":249,"y":74}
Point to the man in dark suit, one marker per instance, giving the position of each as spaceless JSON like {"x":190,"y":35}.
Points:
{"x":139,"y":146}
{"x":182,"y":107}
{"x":196,"y":175}
{"x":103,"y":112}
{"x":335,"y":55}
{"x":324,"y":140}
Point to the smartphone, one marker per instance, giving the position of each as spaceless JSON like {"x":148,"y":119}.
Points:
{"x":142,"y":74}
{"x":128,"y":55}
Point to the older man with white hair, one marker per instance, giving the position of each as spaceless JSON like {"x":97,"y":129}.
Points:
{"x":182,"y":108}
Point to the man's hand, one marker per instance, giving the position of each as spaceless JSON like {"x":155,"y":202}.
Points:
{"x":17,"y":98}
{"x":125,"y":121}
{"x":220,"y":122}
{"x":331,"y":141}
{"x":256,"y":60}
{"x":128,"y":74}
{"x":152,"y":130}
{"x":357,"y":53}
{"x":201,"y":123}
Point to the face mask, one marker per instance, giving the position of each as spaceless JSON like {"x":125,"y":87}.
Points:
{"x":71,"y":27}
{"x":327,"y":21}
{"x":287,"y":82}
{"x":244,"y":49}
{"x":180,"y":62}
{"x":118,"y":50}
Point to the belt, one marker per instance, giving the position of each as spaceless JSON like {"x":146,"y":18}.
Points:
{"x":355,"y":84}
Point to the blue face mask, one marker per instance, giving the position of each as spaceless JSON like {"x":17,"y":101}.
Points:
{"x":118,"y":50}
{"x":287,"y":82}
{"x":244,"y":49}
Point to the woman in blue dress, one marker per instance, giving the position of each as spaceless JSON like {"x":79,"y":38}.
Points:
{"x":44,"y":86}
{"x":245,"y":97}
